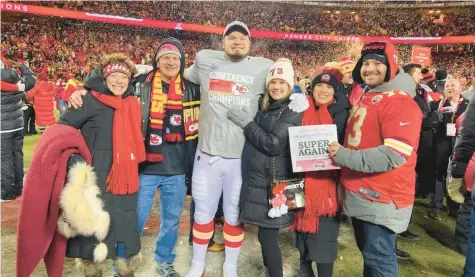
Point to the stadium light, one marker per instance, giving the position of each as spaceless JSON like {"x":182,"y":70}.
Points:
{"x":337,"y":12}
{"x":431,"y":11}
{"x":438,"y":11}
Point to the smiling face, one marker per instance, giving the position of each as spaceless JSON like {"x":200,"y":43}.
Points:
{"x":236,"y":45}
{"x":278,"y":89}
{"x":169,"y":65}
{"x":453,"y":89}
{"x":322,"y":93}
{"x":117,"y":83}
{"x":373,"y":72}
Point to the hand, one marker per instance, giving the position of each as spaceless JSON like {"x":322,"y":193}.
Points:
{"x":241,"y":116}
{"x":440,"y":116}
{"x":75,"y":101}
{"x":333,"y":148}
{"x":299,"y":102}
{"x":142,"y":69}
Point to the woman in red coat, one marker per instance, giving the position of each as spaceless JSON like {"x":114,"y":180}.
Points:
{"x":42,"y":97}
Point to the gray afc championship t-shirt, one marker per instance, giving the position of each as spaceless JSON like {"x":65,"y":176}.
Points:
{"x":224,"y":85}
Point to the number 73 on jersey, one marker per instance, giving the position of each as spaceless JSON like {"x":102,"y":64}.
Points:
{"x":355,"y":121}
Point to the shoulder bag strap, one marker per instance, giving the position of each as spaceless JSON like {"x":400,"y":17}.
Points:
{"x":273,"y":158}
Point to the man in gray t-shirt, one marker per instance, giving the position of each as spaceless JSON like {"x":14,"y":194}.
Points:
{"x":228,"y":79}
{"x":226,"y":84}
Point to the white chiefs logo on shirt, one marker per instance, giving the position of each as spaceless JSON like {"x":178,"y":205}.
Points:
{"x":239,"y":89}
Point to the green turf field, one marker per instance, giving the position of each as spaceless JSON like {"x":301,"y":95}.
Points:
{"x":430,"y":256}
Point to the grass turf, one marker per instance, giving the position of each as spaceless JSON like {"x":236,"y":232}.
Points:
{"x":430,"y":256}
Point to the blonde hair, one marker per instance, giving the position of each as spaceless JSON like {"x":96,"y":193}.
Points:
{"x":119,"y":58}
{"x":266,"y":100}
{"x":335,"y":65}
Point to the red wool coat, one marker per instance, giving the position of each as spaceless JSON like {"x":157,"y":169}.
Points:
{"x":37,"y":236}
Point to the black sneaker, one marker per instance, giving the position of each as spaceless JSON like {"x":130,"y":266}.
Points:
{"x":409,"y":235}
{"x":402,"y":255}
{"x":166,"y":270}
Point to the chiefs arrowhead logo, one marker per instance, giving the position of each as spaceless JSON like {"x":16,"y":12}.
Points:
{"x":193,"y":127}
{"x":239,"y":89}
{"x":155,"y":140}
{"x":325,"y":78}
{"x":376,"y":99}
{"x":175,"y":120}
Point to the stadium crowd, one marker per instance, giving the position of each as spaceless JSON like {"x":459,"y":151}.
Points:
{"x":31,"y":41}
{"x":293,"y":17}
{"x":63,"y":50}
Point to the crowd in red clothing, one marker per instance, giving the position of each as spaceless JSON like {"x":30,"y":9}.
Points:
{"x":278,"y":16}
{"x":64,"y":48}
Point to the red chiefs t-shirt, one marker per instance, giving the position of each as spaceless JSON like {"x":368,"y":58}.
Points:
{"x":385,"y":118}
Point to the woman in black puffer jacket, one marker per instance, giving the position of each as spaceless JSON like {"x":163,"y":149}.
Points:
{"x":110,"y":123}
{"x":267,"y":139}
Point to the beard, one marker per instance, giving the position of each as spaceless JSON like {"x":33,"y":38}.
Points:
{"x":236,"y":56}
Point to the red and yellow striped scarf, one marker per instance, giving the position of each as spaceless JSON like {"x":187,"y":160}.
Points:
{"x":166,"y":113}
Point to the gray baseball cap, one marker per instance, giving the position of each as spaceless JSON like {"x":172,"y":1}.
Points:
{"x":236,"y":26}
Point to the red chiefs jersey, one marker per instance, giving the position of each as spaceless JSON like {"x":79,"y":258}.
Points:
{"x":392,"y":119}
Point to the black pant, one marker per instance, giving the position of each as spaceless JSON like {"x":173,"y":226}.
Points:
{"x":12,"y":164}
{"x":323,"y":269}
{"x":29,"y":117}
{"x":463,"y":225}
{"x":219,"y":213}
{"x":271,"y":251}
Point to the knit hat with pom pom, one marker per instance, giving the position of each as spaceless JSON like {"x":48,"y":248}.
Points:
{"x":281,"y":69}
{"x":328,"y":75}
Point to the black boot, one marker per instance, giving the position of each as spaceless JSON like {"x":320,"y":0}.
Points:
{"x":9,"y":193}
{"x":409,"y":235}
{"x":306,"y":268}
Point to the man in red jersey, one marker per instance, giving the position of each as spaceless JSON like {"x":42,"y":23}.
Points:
{"x":379,"y":157}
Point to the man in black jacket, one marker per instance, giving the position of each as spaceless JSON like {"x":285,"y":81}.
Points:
{"x":425,"y":167}
{"x":172,"y":172}
{"x":12,"y":127}
{"x":452,"y":106}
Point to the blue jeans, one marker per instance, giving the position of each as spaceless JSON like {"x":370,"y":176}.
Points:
{"x":469,"y":270}
{"x":172,"y":201}
{"x":377,"y":244}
